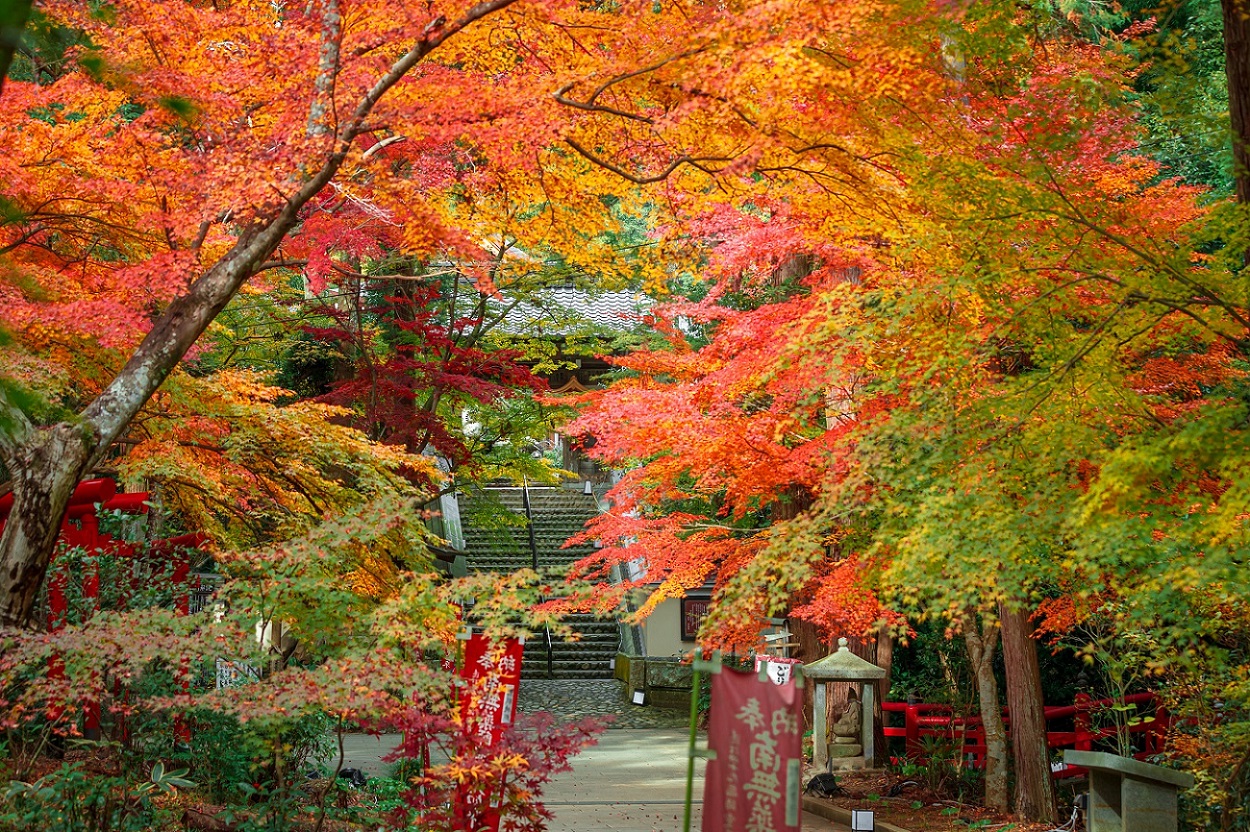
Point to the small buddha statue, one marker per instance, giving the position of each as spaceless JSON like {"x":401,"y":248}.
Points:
{"x":848,"y":722}
{"x":845,"y":730}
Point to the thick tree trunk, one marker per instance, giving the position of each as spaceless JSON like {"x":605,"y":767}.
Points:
{"x":1035,"y":791}
{"x":982,"y":642}
{"x":1237,"y":67}
{"x":810,"y":648}
{"x":885,"y":660}
{"x":45,"y":469}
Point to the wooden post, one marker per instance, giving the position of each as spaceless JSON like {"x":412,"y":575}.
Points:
{"x":91,"y":595}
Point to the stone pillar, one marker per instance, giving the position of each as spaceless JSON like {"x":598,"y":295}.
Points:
{"x":1105,"y":812}
{"x":866,"y":727}
{"x":820,"y":734}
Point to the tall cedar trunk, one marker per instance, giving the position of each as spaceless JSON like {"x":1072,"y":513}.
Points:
{"x":810,"y":646}
{"x":45,"y":469}
{"x":1035,"y":792}
{"x":884,"y":660}
{"x":981,"y":642}
{"x":878,"y":649}
{"x":1237,"y":68}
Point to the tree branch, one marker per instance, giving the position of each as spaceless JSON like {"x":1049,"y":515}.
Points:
{"x":189,"y":315}
{"x":322,"y":106}
{"x":559,"y":96}
{"x":646,"y":180}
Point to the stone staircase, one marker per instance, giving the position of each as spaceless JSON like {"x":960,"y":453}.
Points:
{"x":588,"y":657}
{"x":497,"y":539}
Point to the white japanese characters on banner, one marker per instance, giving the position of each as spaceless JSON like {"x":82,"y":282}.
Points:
{"x":493,"y":671}
{"x":753,"y":781}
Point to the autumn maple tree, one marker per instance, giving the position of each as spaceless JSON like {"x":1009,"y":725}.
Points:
{"x":956,"y":344}
{"x":1010,"y":331}
{"x":140,"y":197}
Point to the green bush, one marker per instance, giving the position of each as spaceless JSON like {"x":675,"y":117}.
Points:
{"x":71,"y":799}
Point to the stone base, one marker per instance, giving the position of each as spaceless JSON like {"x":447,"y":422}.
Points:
{"x":837,"y":749}
{"x":847,"y":763}
{"x":677,"y":700}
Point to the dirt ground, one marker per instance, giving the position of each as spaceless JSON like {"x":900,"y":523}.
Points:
{"x":915,"y":808}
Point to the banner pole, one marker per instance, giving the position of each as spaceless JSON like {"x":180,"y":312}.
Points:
{"x":712,"y":666}
{"x":694,"y":736}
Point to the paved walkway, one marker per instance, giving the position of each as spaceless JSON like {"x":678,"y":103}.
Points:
{"x":635,"y":781}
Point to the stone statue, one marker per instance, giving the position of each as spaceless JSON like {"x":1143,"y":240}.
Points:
{"x":848,"y":722}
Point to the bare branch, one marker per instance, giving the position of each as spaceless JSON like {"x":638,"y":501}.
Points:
{"x":695,"y":162}
{"x":559,"y":96}
{"x":200,"y":235}
{"x":611,"y":82}
{"x":381,"y":145}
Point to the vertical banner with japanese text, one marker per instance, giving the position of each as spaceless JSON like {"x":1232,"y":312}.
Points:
{"x":492,"y":671}
{"x":756,"y":729}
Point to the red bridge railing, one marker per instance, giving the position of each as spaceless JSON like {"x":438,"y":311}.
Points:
{"x":1079,"y":726}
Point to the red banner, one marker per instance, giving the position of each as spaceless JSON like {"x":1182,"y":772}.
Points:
{"x":492,"y":672}
{"x":754,"y":779}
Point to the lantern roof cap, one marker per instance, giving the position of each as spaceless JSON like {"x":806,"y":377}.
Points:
{"x":842,"y":665}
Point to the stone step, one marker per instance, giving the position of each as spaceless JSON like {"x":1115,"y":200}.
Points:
{"x":568,"y":675}
{"x":596,"y":641}
{"x":567,"y":670}
{"x":585,"y":639}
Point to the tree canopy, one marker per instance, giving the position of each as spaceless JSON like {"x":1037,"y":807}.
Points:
{"x":960,"y":328}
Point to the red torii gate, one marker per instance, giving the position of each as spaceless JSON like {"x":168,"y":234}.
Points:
{"x":89,"y":497}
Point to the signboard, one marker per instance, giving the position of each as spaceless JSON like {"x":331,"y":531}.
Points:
{"x":693,"y":611}
{"x":492,"y":673}
{"x":780,"y":670}
{"x":756,"y":729}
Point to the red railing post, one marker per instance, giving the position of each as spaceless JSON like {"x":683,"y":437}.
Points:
{"x":1157,"y":731}
{"x":912,"y":724}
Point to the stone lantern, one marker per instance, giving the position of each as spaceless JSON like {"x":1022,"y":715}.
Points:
{"x":851,"y":745}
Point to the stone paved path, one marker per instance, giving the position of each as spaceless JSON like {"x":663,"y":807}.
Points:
{"x":566,"y":699}
{"x":574,"y":699}
{"x":635,"y":781}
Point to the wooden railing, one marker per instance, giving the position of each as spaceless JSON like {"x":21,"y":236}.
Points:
{"x":1083,"y":725}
